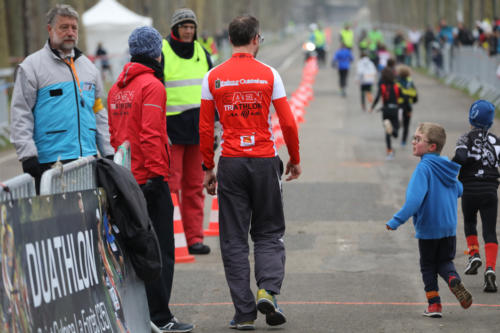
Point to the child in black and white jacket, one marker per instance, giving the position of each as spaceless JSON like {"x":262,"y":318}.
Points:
{"x":478,"y":153}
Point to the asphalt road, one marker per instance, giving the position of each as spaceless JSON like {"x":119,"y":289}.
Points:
{"x":344,"y":271}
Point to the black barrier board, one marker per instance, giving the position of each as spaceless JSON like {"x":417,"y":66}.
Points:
{"x":60,"y":266}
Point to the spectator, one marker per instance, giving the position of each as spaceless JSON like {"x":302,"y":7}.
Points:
{"x":318,"y":37}
{"x":414,"y":36}
{"x":445,"y":32}
{"x":57,"y":112}
{"x":437,"y":56}
{"x":102,"y":56}
{"x":463,"y":36}
{"x":429,"y":38}
{"x":137,"y":114}
{"x":399,"y":47}
{"x":347,"y":36}
{"x":185,"y":64}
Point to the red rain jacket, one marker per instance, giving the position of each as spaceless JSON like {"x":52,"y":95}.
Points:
{"x":136,"y":108}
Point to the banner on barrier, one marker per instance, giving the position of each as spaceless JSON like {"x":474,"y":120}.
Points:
{"x":60,"y":266}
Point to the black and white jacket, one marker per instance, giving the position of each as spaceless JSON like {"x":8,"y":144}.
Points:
{"x":478,"y":153}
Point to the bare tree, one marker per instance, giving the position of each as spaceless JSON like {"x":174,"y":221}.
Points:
{"x":4,"y":43}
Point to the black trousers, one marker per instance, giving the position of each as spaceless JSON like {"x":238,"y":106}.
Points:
{"x":487,"y":205}
{"x":250,"y":200}
{"x":436,"y":258}
{"x":392,"y":115}
{"x":406,"y":123}
{"x":343,"y":78}
{"x":161,"y":212}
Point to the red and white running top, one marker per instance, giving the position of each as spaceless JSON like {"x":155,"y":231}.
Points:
{"x":241,"y":90}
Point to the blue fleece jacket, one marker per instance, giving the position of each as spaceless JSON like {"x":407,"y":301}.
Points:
{"x":343,"y":58}
{"x":431,"y":198}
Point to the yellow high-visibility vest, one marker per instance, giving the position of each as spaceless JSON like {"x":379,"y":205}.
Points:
{"x":347,"y":37}
{"x":319,"y":38}
{"x":183,"y":78}
{"x":207,"y":44}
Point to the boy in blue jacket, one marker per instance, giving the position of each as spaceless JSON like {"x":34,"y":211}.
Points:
{"x":431,"y":198}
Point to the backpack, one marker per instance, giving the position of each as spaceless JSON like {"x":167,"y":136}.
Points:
{"x":390,"y":93}
{"x":128,"y":211}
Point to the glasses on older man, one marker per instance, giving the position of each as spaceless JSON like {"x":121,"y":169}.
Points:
{"x":261,"y":39}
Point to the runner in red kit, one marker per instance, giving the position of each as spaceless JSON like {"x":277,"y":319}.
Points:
{"x":249,"y":171}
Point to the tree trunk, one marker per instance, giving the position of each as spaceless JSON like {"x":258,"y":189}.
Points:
{"x":4,"y":42}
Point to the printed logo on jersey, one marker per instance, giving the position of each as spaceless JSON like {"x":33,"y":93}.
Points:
{"x":234,"y":83}
{"x":247,"y":140}
{"x":242,"y":100}
{"x":217,"y":84}
{"x":122,"y":102}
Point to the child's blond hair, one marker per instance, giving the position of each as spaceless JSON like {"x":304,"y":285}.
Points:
{"x":435,"y":133}
{"x":403,"y":71}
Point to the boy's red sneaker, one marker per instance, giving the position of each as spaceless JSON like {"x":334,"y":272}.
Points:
{"x":433,"y":310}
{"x":458,"y":289}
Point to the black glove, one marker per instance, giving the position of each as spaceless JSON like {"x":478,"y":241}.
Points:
{"x":32,"y":166}
{"x":153,"y":185}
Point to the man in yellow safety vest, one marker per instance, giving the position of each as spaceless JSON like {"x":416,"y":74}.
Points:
{"x":185,"y":63}
{"x":347,"y":36}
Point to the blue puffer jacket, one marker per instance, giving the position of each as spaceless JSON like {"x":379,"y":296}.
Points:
{"x":431,"y":198}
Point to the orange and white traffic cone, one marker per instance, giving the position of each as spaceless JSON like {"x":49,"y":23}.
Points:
{"x":181,"y":250}
{"x":213,"y":226}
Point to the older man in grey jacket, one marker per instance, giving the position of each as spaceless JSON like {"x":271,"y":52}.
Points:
{"x":57,"y":113}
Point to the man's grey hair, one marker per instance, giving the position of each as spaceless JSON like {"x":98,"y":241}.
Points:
{"x":61,"y":10}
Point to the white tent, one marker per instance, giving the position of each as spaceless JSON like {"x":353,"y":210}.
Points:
{"x":111,"y":23}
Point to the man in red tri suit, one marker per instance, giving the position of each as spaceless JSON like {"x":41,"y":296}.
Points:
{"x":248,"y":181}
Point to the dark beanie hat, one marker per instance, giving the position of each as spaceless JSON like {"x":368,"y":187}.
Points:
{"x":481,"y":114}
{"x":145,"y":41}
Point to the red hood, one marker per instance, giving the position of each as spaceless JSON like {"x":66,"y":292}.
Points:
{"x":131,"y":71}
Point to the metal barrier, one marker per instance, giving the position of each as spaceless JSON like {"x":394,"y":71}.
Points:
{"x":122,"y":156}
{"x":5,"y":75}
{"x":78,"y":175}
{"x":466,"y":67}
{"x":22,"y":186}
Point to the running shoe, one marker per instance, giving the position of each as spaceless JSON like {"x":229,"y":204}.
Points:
{"x":243,"y":326}
{"x":473,"y":263}
{"x":433,"y":311}
{"x":458,"y":289}
{"x":266,"y":304}
{"x":490,"y":285}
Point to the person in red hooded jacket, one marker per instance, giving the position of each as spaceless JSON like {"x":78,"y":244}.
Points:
{"x":136,"y":104}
